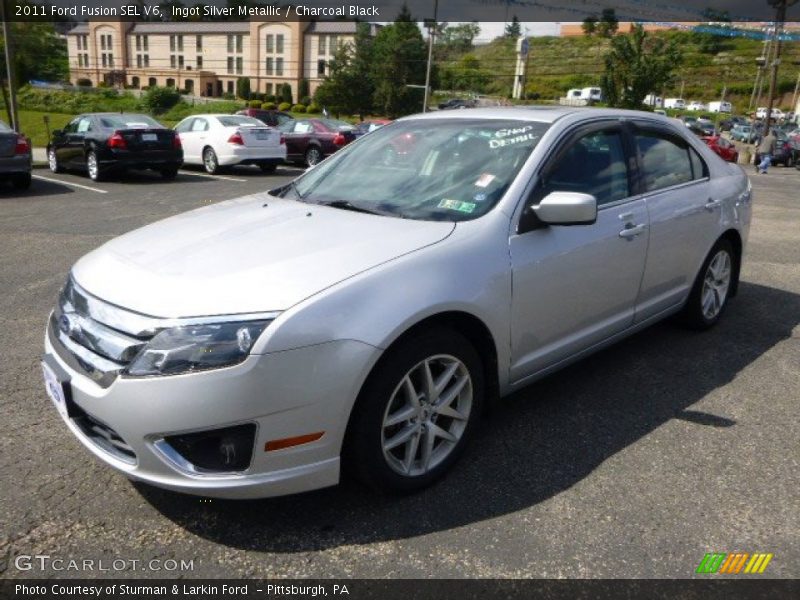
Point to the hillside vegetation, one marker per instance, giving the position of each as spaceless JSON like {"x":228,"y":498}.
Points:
{"x":556,"y":64}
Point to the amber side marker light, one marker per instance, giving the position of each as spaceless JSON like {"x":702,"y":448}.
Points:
{"x":292,"y":441}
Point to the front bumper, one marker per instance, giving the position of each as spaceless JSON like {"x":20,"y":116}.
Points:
{"x":285,"y":394}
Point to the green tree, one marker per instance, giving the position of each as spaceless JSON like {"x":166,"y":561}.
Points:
{"x":608,"y":24}
{"x":348,"y":85}
{"x":589,"y":25}
{"x":243,"y":88}
{"x":38,"y":52}
{"x":513,"y":29}
{"x":400,"y":59}
{"x":457,"y":39}
{"x":636,"y":65}
{"x":286,"y":93}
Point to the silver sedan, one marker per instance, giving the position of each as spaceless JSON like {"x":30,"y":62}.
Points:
{"x":360,"y":318}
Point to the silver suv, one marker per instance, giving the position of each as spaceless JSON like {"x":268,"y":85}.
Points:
{"x":361,"y":317}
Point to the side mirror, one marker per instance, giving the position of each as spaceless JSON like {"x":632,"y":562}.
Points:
{"x":567,"y":208}
{"x":57,"y":132}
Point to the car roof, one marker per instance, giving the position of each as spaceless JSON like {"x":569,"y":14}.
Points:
{"x":539,"y":113}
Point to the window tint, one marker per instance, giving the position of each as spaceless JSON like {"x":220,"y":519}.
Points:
{"x":699,"y":168}
{"x":72,"y":127}
{"x":594,"y":165}
{"x":200,"y":125}
{"x":665,"y":160}
{"x":84,"y":125}
{"x":303,"y":127}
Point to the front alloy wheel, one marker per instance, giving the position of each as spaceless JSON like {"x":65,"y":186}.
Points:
{"x":93,"y":166}
{"x":416,"y":412}
{"x":716,"y":283}
{"x":210,"y":161}
{"x":426,"y":415}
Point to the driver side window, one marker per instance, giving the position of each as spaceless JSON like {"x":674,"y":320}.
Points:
{"x":595,"y":164}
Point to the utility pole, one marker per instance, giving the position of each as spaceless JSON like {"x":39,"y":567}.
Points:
{"x":780,"y":17}
{"x":682,"y":84}
{"x":431,"y":37}
{"x":12,"y":95}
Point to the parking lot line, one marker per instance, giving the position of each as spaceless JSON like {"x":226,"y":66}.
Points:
{"x":214,"y":176}
{"x":78,"y":185}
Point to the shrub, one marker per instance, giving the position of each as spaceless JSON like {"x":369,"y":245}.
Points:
{"x":313,"y":108}
{"x":304,"y":92}
{"x":299,"y":108}
{"x":268,"y":106}
{"x":284,"y":106}
{"x":305,"y":100}
{"x":159,"y":100}
{"x":271,"y":98}
{"x":254,"y":104}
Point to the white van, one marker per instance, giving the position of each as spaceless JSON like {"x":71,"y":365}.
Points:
{"x":720,"y":107}
{"x":678,"y":103}
{"x":588,"y":93}
{"x":654,"y":101}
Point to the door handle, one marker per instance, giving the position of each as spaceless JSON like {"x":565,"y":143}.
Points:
{"x":631,"y":232}
{"x":712,"y":205}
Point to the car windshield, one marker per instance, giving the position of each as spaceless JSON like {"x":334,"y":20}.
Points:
{"x":442,"y":170}
{"x":239,"y":121}
{"x":128,"y":122}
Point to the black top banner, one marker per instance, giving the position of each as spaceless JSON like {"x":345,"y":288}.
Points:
{"x":386,"y":10}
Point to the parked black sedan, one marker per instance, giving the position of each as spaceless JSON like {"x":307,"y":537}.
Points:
{"x":15,"y":157}
{"x":109,"y":143}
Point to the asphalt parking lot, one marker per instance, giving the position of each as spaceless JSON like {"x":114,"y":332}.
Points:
{"x":632,"y":463}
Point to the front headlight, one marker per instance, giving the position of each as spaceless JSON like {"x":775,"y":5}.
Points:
{"x":196,"y":348}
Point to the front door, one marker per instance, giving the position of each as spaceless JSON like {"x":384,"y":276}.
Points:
{"x":575,"y":286}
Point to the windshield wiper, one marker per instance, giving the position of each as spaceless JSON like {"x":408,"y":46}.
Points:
{"x":344,"y":204}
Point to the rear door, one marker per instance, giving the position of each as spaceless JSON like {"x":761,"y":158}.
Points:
{"x":575,"y":286}
{"x":684,"y":216}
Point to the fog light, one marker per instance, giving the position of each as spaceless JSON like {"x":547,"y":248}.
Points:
{"x":217,"y":450}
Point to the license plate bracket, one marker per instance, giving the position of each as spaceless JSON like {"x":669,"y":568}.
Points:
{"x":57,"y":390}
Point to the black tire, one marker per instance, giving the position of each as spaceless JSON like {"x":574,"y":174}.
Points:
{"x":52,"y":160}
{"x":313,"y":156}
{"x":169,"y":173}
{"x":268,"y":168}
{"x":693,"y":314}
{"x":21,"y":181}
{"x":363,"y":453}
{"x":94,"y":174}
{"x":210,"y":162}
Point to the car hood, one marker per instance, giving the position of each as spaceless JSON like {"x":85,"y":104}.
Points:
{"x":253,"y":254}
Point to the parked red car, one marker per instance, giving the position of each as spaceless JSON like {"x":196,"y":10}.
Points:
{"x":722,"y":147}
{"x":310,"y":140}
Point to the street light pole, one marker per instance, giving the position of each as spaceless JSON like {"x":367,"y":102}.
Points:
{"x":431,"y":37}
{"x":780,"y":17}
{"x":12,"y":95}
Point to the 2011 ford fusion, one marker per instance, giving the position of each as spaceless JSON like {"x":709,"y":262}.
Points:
{"x":361,"y":317}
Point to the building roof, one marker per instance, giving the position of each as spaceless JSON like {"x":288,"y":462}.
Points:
{"x":341,"y":27}
{"x":192,"y":27}
{"x":79,"y":29}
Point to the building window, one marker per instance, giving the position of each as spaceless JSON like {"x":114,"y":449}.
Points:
{"x":239,"y":43}
{"x":199,"y":62}
{"x":230,"y":87}
{"x":152,"y":82}
{"x":172,"y":61}
{"x":320,"y":68}
{"x":171,"y":83}
{"x":230,"y":64}
{"x":270,"y":66}
{"x":279,"y":43}
{"x":85,"y":42}
{"x":85,"y":60}
{"x":270,"y":44}
{"x":138,"y":42}
{"x":139,"y":61}
{"x":146,"y":60}
{"x":230,"y":43}
{"x":176,"y":43}
{"x":333,"y":44}
{"x":279,"y":66}
{"x":104,"y":59}
{"x":111,"y":60}
{"x":80,"y":60}
{"x":322,"y":45}
{"x":135,"y":82}
{"x":78,"y":41}
{"x":180,"y":61}
{"x":198,"y":44}
{"x":103,"y":42}
{"x":144,"y":43}
{"x":238,"y":65}
{"x":269,"y":89}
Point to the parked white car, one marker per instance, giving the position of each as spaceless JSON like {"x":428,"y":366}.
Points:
{"x":720,"y":107}
{"x":761,"y":113}
{"x":217,"y":141}
{"x":678,"y":103}
{"x":696,"y":105}
{"x":587,"y":93}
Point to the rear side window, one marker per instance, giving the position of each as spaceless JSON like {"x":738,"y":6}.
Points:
{"x":666,"y":160}
{"x":595,"y":165}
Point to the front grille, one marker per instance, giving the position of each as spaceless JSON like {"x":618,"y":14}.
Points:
{"x":95,"y":337}
{"x":105,"y":437}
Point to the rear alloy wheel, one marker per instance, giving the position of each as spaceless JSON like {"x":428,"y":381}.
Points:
{"x":93,"y":166}
{"x":21,"y":181}
{"x":313,"y":156}
{"x":52,"y":161}
{"x":416,"y":413}
{"x":210,"y":161}
{"x":709,"y":295}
